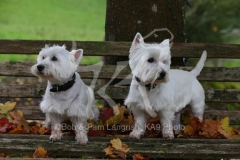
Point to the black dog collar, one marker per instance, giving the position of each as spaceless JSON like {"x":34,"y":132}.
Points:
{"x":150,"y":86}
{"x":64,"y":87}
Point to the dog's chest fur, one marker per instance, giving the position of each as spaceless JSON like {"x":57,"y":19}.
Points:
{"x":173,"y":95}
{"x":68,"y":103}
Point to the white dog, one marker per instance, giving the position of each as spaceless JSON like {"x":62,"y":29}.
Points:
{"x":66,"y":96}
{"x":157,"y":90}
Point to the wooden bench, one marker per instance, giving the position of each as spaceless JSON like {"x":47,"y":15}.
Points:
{"x":153,"y":147}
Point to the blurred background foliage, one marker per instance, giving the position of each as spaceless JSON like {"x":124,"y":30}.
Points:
{"x":213,"y":21}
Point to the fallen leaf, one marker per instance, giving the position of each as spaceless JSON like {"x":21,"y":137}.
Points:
{"x":5,"y":108}
{"x":140,"y":157}
{"x":116,"y":143}
{"x":193,"y":128}
{"x":3,"y":121}
{"x":228,"y":131}
{"x":210,"y":129}
{"x":109,"y":150}
{"x":116,"y":118}
{"x":44,"y":130}
{"x":225,"y":126}
{"x":2,"y":155}
{"x":105,"y":114}
{"x":119,"y":154}
{"x":117,"y":149}
{"x":16,"y":130}
{"x":19,"y":120}
{"x":40,"y":152}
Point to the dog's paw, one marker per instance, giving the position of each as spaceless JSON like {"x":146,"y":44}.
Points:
{"x":168,"y":136}
{"x":81,"y":138}
{"x":136,"y":134}
{"x":56,"y":135}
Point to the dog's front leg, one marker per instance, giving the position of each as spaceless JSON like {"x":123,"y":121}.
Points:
{"x":55,"y":121}
{"x":166,"y":118}
{"x":81,"y":129}
{"x":140,"y":117}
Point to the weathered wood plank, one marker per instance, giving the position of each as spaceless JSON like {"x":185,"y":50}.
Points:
{"x":152,"y":147}
{"x":34,"y":113}
{"x":193,"y":50}
{"x":35,"y":91}
{"x":216,"y":74}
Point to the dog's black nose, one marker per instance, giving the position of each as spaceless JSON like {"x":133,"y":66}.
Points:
{"x":162,"y":74}
{"x":40,"y":67}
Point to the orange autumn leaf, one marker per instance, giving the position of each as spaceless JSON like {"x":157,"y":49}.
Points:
{"x":44,"y":130}
{"x":193,"y":127}
{"x":40,"y":152}
{"x":210,"y":128}
{"x":140,"y":157}
{"x":2,"y":155}
{"x":16,"y":130}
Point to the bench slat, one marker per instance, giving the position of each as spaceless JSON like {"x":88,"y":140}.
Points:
{"x":152,"y":147}
{"x":35,"y":91}
{"x":193,"y":50}
{"x":218,"y":74}
{"x":34,"y":113}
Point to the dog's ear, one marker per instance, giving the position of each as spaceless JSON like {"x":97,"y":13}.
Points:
{"x":165,"y":42}
{"x":77,"y":54}
{"x":138,"y":39}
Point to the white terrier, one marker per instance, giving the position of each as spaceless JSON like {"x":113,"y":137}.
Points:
{"x":66,"y":96}
{"x":157,"y":90}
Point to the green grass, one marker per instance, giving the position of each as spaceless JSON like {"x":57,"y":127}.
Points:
{"x":77,"y":20}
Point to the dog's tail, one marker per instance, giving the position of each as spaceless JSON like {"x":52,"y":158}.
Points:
{"x":89,"y":110}
{"x":196,"y":71}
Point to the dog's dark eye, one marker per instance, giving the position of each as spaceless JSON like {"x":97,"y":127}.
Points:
{"x":54,"y":58}
{"x":43,"y":57}
{"x":151,"y":60}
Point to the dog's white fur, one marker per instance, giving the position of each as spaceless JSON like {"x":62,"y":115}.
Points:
{"x":76,"y":103}
{"x":172,"y":93}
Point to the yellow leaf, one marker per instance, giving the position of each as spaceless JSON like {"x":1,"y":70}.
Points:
{"x":225,"y":126}
{"x":100,"y":106}
{"x":20,"y":113}
{"x":116,"y":143}
{"x":116,"y":118}
{"x":5,"y":108}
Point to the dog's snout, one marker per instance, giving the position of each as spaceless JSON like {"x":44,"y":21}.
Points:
{"x":162,"y":74}
{"x":40,"y":68}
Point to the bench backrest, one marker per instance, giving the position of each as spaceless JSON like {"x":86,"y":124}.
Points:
{"x":108,"y":72}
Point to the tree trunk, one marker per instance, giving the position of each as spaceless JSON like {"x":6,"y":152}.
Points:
{"x":124,"y":18}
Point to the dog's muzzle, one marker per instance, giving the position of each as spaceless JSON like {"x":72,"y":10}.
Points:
{"x":40,"y":68}
{"x":161,"y":75}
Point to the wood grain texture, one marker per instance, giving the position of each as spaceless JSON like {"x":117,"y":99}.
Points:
{"x":190,"y":50}
{"x":36,"y":91}
{"x":215,"y":74}
{"x":152,"y":147}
